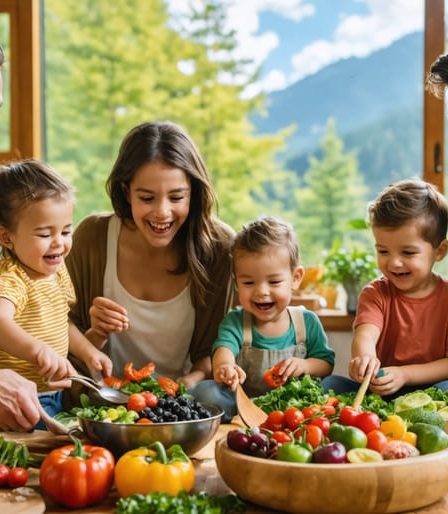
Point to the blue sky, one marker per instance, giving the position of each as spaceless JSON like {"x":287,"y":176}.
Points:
{"x":291,"y":39}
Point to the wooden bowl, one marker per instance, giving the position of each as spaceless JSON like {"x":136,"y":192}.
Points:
{"x":389,"y":486}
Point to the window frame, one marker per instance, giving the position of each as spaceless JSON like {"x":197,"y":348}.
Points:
{"x":25,"y":75}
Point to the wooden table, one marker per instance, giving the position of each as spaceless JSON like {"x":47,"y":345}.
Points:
{"x":207,"y":479}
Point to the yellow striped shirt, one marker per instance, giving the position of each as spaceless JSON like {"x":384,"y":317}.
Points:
{"x":41,"y":309}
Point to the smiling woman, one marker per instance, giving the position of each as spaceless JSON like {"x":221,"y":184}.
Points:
{"x":153,"y":279}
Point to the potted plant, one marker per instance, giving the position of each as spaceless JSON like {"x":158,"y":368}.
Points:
{"x":352,"y":269}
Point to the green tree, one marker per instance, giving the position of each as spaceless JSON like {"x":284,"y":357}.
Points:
{"x":332,"y":194}
{"x":110,"y":65}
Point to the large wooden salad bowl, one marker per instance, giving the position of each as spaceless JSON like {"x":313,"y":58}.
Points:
{"x":389,"y":486}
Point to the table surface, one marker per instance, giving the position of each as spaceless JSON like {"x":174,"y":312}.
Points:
{"x":207,"y":479}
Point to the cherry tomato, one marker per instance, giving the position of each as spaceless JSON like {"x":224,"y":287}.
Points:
{"x":376,"y":440}
{"x":17,"y":477}
{"x":275,"y":420}
{"x":4,"y":473}
{"x":328,"y":410}
{"x":293,"y":417}
{"x":144,"y":421}
{"x":367,"y":421}
{"x":168,"y":385}
{"x":314,"y":435}
{"x":281,"y":437}
{"x":136,"y":402}
{"x":333,"y":401}
{"x":310,"y":411}
{"x":322,"y":422}
{"x":348,"y":416}
{"x":150,"y":399}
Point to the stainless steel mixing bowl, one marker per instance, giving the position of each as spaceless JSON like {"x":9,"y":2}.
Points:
{"x":120,"y":437}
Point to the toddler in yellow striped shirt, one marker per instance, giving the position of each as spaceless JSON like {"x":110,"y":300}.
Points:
{"x":36,"y":208}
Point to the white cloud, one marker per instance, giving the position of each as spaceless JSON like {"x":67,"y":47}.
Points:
{"x":355,"y":35}
{"x":360,"y":35}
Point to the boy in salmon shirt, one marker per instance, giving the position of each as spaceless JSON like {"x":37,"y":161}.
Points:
{"x":401,"y":325}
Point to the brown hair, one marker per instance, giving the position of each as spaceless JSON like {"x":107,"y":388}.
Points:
{"x":168,"y":143}
{"x":412,"y":200}
{"x":266,"y":232}
{"x":25,"y":182}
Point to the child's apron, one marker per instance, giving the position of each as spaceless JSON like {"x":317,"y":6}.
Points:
{"x":255,"y":361}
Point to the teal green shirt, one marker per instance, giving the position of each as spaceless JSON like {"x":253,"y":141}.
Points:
{"x":230,"y":335}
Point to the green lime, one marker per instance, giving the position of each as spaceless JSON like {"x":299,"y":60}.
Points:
{"x":415,"y":400}
{"x":360,"y":455}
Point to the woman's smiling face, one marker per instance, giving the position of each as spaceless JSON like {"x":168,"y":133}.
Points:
{"x":159,"y":195}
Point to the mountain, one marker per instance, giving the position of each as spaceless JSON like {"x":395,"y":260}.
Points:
{"x":376,"y":102}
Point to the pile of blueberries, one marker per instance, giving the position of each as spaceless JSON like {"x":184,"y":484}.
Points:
{"x":170,"y":409}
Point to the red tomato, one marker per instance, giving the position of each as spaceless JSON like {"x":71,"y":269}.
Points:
{"x":314,"y":435}
{"x":376,"y":440}
{"x":275,"y":420}
{"x":150,"y":399}
{"x":348,"y":416}
{"x":322,"y":422}
{"x":333,"y":401}
{"x":17,"y":477}
{"x":293,"y":417}
{"x":281,"y":437}
{"x":144,"y":421}
{"x":310,"y":411}
{"x":136,"y":402}
{"x":367,"y":421}
{"x":328,"y":410}
{"x":4,"y":473}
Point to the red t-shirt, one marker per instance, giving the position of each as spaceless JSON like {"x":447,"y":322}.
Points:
{"x":413,"y":330}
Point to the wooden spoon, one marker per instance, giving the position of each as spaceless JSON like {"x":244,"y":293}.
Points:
{"x":361,"y":392}
{"x":251,"y":415}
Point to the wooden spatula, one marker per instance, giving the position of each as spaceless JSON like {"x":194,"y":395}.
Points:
{"x":361,"y":392}
{"x":251,"y":415}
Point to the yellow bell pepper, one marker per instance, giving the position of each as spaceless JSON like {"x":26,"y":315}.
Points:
{"x":153,"y":469}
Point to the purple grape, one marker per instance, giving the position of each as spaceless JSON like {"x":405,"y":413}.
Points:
{"x":333,"y":453}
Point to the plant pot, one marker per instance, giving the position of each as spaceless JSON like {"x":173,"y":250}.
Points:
{"x":352,"y":290}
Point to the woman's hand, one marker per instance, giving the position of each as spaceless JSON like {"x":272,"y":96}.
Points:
{"x":18,"y":402}
{"x":107,"y":317}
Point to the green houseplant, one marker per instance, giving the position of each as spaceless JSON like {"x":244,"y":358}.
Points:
{"x":352,"y":269}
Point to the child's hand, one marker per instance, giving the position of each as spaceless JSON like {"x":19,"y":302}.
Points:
{"x":392,"y":380}
{"x":291,"y":367}
{"x":52,"y":366}
{"x":107,"y":316}
{"x":230,"y":375}
{"x":96,"y":360}
{"x":363,"y":365}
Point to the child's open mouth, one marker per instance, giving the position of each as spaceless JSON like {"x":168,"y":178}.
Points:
{"x":264,"y":306}
{"x":54,"y":258}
